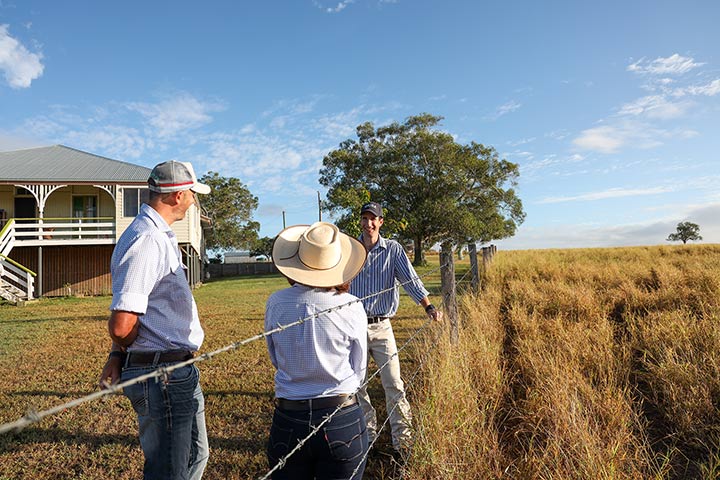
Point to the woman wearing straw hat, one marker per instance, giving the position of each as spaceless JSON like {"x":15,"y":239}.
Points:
{"x":321,"y":361}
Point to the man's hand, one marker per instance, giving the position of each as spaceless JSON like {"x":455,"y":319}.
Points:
{"x":110,"y":374}
{"x":434,"y":313}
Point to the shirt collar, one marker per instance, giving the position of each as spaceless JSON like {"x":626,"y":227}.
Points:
{"x":155,"y":217}
{"x":381,"y":243}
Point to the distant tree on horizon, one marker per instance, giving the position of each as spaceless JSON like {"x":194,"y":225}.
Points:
{"x":685,"y":231}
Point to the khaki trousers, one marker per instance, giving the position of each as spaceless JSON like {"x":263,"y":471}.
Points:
{"x":381,"y":346}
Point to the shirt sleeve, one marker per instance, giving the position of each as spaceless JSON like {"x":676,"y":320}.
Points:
{"x":268,"y":338}
{"x":405,"y":274}
{"x":135,"y":273}
{"x":358,"y":351}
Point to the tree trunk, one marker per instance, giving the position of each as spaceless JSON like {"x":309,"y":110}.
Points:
{"x":419,"y":255}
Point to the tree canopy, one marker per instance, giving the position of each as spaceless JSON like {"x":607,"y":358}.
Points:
{"x":263,"y":246}
{"x":230,"y":206}
{"x":685,"y":231}
{"x":431,"y":188}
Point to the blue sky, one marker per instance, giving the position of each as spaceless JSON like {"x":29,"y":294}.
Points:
{"x":611,"y":109}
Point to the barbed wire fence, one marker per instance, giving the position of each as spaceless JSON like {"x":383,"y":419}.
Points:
{"x":34,"y":416}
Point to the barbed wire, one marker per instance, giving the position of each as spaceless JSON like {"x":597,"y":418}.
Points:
{"x":34,"y":416}
{"x":396,"y":399}
{"x":283,"y":460}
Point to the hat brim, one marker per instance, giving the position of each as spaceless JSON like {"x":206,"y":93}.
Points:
{"x":200,"y":188}
{"x":285,"y":258}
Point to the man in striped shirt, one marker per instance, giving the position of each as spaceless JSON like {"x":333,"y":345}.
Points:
{"x":386,"y":265}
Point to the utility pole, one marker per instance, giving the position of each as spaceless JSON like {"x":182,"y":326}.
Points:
{"x":283,"y":219}
{"x":319,"y":207}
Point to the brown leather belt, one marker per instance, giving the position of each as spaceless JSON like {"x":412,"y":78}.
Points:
{"x":315,"y":403}
{"x":372,"y":320}
{"x":139,"y":359}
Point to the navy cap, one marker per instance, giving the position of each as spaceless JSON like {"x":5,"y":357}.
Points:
{"x":373,"y":208}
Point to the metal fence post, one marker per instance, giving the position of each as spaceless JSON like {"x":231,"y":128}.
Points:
{"x":447,"y":279}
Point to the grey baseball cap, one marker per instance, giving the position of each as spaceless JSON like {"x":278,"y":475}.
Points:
{"x":173,"y":176}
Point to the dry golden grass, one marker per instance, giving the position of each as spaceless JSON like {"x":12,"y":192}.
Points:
{"x":587,"y":364}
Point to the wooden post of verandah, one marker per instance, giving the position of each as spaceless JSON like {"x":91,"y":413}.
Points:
{"x":447,"y":280}
{"x":472,"y":253}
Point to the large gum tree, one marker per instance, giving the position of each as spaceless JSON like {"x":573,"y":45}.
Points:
{"x":432,"y":188}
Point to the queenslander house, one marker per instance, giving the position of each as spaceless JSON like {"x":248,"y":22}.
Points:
{"x":61,"y":212}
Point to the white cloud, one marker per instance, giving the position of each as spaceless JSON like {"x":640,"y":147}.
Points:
{"x":20,"y":67}
{"x":609,"y":193}
{"x":655,"y":106}
{"x":673,"y":65}
{"x":710,"y":90}
{"x":605,"y":139}
{"x":176,"y":115}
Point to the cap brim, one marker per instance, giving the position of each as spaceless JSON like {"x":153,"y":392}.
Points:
{"x":200,"y":188}
{"x":284,"y":255}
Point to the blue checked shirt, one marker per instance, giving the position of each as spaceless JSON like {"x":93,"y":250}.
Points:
{"x":323,"y":356}
{"x":386,"y":264}
{"x":148,"y":278}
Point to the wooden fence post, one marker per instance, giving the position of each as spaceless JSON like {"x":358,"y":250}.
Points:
{"x":472,"y":253}
{"x":447,"y":279}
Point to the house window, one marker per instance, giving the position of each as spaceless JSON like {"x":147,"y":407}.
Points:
{"x":84,"y":206}
{"x":132,"y":199}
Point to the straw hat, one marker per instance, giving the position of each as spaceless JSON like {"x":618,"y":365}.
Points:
{"x":318,"y":255}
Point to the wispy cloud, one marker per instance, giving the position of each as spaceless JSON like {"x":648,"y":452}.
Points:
{"x":655,"y":107}
{"x":504,"y":109}
{"x":175,"y":115}
{"x":339,"y":7}
{"x":609,"y":193}
{"x":19,"y":66}
{"x":642,"y":123}
{"x":673,"y":65}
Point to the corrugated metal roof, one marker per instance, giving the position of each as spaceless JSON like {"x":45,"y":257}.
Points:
{"x":61,"y":164}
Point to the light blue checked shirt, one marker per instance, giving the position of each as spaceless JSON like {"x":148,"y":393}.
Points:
{"x":386,"y":264}
{"x":148,"y":278}
{"x":323,"y":356}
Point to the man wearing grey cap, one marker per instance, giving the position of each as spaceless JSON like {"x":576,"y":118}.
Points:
{"x":386,"y":265}
{"x":154,"y":323}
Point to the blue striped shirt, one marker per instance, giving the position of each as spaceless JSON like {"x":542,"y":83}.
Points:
{"x":323,"y":356}
{"x":386,"y":265}
{"x":148,"y":278}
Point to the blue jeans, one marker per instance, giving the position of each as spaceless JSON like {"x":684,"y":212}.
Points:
{"x":171,"y":420}
{"x":332,"y":453}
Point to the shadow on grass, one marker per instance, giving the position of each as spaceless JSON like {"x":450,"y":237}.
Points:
{"x":92,"y":318}
{"x":10,"y":442}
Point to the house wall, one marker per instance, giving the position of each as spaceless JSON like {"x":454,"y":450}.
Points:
{"x":69,"y":270}
{"x":187,"y":230}
{"x":6,"y":200}
{"x":59,"y":203}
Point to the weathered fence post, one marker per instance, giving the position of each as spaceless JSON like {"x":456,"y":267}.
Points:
{"x":472,"y":253}
{"x":447,"y":280}
{"x":486,"y":257}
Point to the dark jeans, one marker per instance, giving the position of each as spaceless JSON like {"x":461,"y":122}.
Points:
{"x":171,"y":420}
{"x":332,"y":453}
